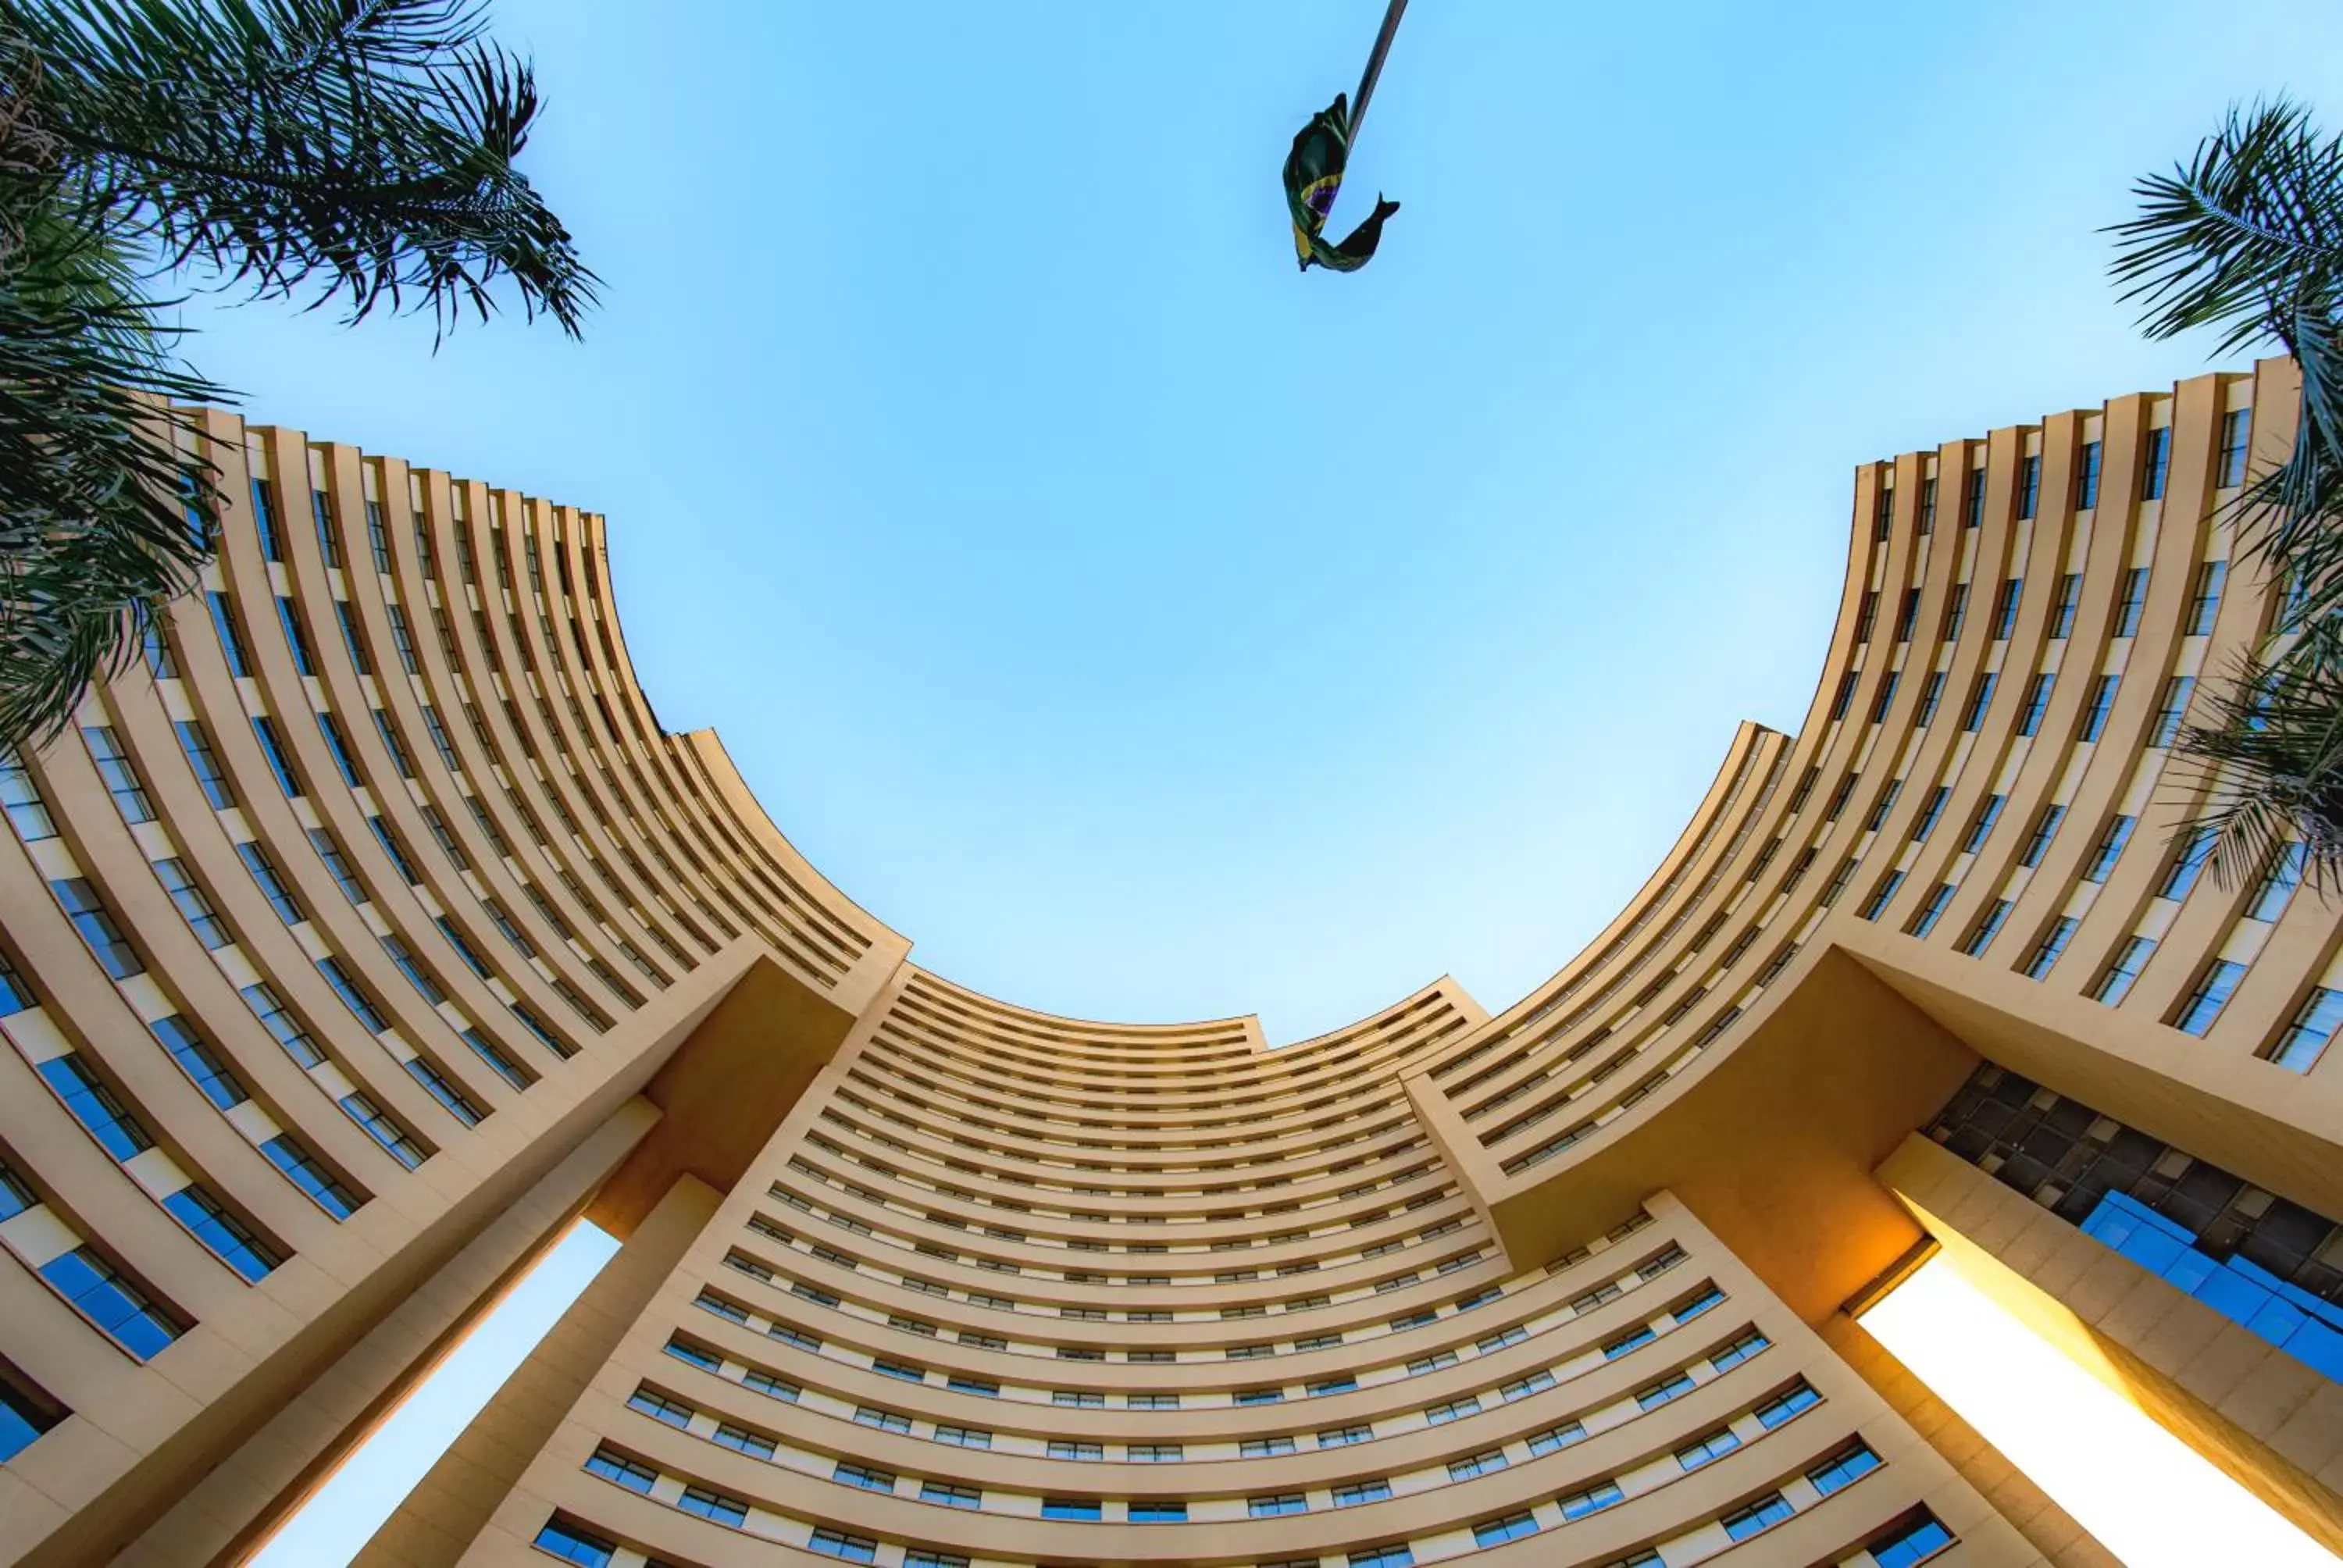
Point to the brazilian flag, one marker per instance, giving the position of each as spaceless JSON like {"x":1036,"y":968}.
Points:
{"x":1313,"y":174}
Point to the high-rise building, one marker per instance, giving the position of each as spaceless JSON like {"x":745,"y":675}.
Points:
{"x":371,"y":928}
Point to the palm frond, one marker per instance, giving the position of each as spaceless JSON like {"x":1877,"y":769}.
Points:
{"x":2266,"y":744}
{"x":358,"y":152}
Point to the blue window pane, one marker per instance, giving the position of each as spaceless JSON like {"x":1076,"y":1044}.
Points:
{"x":222,"y":1233}
{"x":110,"y":1302}
{"x":95,"y":1107}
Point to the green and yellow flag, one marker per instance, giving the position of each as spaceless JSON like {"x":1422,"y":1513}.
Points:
{"x":1313,"y":175}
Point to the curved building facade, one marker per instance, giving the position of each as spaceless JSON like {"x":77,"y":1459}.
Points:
{"x":371,"y":930}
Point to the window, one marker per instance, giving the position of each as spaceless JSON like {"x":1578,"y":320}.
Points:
{"x":2053,"y":942}
{"x":1353,"y":1494}
{"x":226,"y":1236}
{"x":691,"y":1354}
{"x":1263,"y":1447}
{"x":21,"y":798}
{"x":1956,"y":613}
{"x":659,"y":1407}
{"x":1477,"y":1464}
{"x":1879,"y":704}
{"x":301,"y":1167}
{"x":902,"y":1369}
{"x":1155,"y":1452}
{"x":1929,"y":697}
{"x":2236,"y":430}
{"x":96,"y":925}
{"x":2037,"y":702}
{"x":918,"y":1557}
{"x":2045,"y":827}
{"x":1382,"y":1557}
{"x":1790,"y":1402}
{"x":2135,"y":600}
{"x":1343,"y":1436}
{"x":2086,"y":477}
{"x":1672,"y":1387}
{"x":264,"y":729}
{"x":1259,"y":1395}
{"x":1929,"y":813}
{"x":1455,"y":1409}
{"x":574,"y":1543}
{"x":287,"y":1030}
{"x":1157,"y":1513}
{"x":984,"y":1386}
{"x":952,"y":1496}
{"x":95,"y":1107}
{"x":2307,"y":1034}
{"x":1062,"y":1449}
{"x":2103,"y":701}
{"x":120,"y":779}
{"x":1927,"y":506}
{"x":2275,"y":889}
{"x":1556,"y":1437}
{"x":1080,"y":1397}
{"x":1758,"y":1517}
{"x":2109,"y":849}
{"x":2212,"y":993}
{"x":2195,"y":849}
{"x":1850,"y":1464}
{"x":24,"y":1414}
{"x":1980,"y":699}
{"x":2158,"y":464}
{"x":1739,"y":1351}
{"x":852,"y":1548}
{"x":435,"y":1084}
{"x":1522,"y":1387}
{"x":2029,"y":484}
{"x":1909,"y":615}
{"x":1845,"y":693}
{"x":1707,"y":1450}
{"x":2206,"y":602}
{"x":321,"y":510}
{"x":1640,"y":1335}
{"x":340,"y":747}
{"x":868,"y":1477}
{"x":963,"y":1436}
{"x":114,"y":1306}
{"x":1981,"y":935}
{"x":2123,"y":969}
{"x":201,"y":918}
{"x":1592,"y":1500}
{"x":713,"y":1505}
{"x":355,"y":998}
{"x":618,"y":1468}
{"x":1075,"y":1508}
{"x":1987,"y":815}
{"x":2004,"y":608}
{"x":197,"y":1059}
{"x":1867,"y":616}
{"x":1911,"y":1544}
{"x":1277,"y":1505}
{"x":1880,"y":896}
{"x":1709,"y":1297}
{"x":1497,"y":1532}
{"x":1974,"y":512}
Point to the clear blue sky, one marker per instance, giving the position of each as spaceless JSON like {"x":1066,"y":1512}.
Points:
{"x":1151,"y":632}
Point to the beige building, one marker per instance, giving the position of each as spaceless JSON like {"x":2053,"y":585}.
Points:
{"x":372,"y":930}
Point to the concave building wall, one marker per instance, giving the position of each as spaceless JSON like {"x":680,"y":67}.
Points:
{"x":371,"y":928}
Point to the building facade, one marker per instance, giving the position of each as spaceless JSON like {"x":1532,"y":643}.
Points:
{"x":370,"y":930}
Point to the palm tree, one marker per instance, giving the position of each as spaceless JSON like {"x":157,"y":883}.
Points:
{"x":2247,"y":238}
{"x":353,"y":153}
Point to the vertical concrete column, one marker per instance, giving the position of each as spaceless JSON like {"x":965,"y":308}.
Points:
{"x":476,"y":1480}
{"x":2048,"y":1528}
{"x":2271,"y":1421}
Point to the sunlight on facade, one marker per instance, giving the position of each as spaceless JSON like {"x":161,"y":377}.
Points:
{"x":2147,"y":1495}
{"x":334,"y":1525}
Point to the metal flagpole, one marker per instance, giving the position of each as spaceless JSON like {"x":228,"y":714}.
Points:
{"x":1392,"y":14}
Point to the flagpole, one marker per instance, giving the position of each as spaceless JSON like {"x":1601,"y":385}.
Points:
{"x":1374,"y":68}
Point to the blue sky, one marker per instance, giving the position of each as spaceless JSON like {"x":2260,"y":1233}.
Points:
{"x":1150,"y":631}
